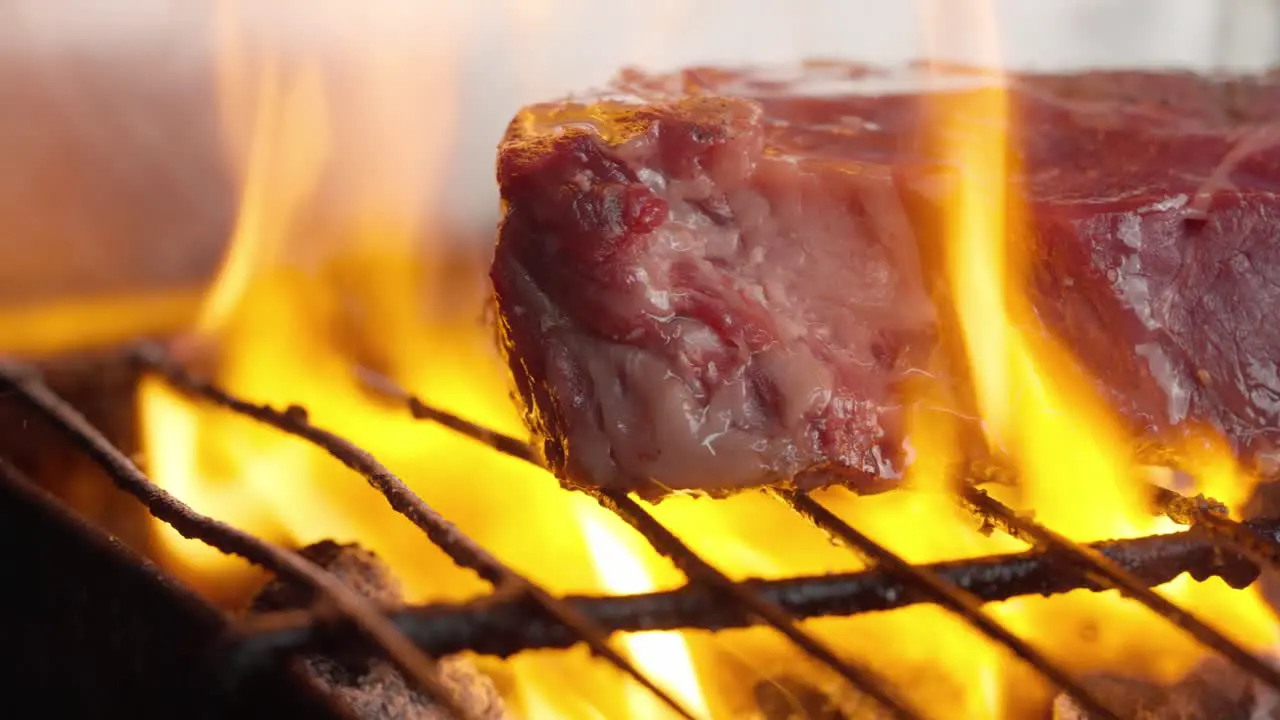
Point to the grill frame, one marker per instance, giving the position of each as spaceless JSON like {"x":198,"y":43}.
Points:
{"x":1247,"y":547}
{"x":97,"y":629}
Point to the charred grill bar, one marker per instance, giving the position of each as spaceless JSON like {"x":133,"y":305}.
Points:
{"x":1088,"y":562}
{"x":505,"y":626}
{"x":521,"y":615}
{"x":25,"y":383}
{"x":464,"y":551}
{"x":938,"y":590}
{"x":701,"y":572}
{"x":1085,"y":560}
{"x":1211,"y":516}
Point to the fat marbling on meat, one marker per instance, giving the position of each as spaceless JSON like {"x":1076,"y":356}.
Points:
{"x":722,"y":278}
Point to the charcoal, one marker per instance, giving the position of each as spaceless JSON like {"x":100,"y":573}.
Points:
{"x":1130,"y":698}
{"x":358,"y":568}
{"x":791,"y":698}
{"x":1214,"y":690}
{"x":370,"y":687}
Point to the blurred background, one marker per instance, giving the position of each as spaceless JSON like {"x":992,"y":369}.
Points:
{"x":115,"y":173}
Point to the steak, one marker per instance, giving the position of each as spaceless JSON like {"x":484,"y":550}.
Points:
{"x":721,"y":278}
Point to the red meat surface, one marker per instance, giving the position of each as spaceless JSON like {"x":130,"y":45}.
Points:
{"x":718,"y":279}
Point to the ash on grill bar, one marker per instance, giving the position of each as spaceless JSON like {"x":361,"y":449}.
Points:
{"x":818,"y":389}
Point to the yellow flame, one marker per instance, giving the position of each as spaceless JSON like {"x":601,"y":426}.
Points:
{"x":328,"y":270}
{"x":281,"y":151}
{"x":1075,"y":464}
{"x":81,"y":324}
{"x":1036,"y":405}
{"x":663,"y":655}
{"x":341,"y":156}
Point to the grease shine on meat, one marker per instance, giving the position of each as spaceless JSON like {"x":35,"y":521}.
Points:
{"x":719,"y":279}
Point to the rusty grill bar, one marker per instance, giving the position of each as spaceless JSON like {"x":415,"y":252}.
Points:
{"x":501,"y":624}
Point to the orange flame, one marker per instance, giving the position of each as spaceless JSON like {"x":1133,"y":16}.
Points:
{"x":622,"y":572}
{"x":1036,"y":405}
{"x":340,"y":156}
{"x":1074,"y":461}
{"x":339,"y":171}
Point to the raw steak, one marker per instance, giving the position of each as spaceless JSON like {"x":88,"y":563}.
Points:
{"x":718,"y":278}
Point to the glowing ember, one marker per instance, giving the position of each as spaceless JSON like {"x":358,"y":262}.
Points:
{"x":323,"y":276}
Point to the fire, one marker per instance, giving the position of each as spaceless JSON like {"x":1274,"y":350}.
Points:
{"x":1036,"y":406}
{"x":622,"y":572}
{"x":1075,"y":464}
{"x":83,"y":324}
{"x":339,"y":164}
{"x":340,"y":156}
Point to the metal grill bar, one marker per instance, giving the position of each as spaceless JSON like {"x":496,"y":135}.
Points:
{"x":26,"y":385}
{"x":504,"y":444}
{"x":458,"y":546}
{"x":666,"y":543}
{"x":938,"y":590}
{"x":989,"y":510}
{"x":469,"y":554}
{"x":698,"y":570}
{"x":1211,"y":516}
{"x":502,"y":625}
{"x":1104,"y":570}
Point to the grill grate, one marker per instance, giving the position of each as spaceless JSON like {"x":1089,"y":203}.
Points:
{"x":1081,"y":558}
{"x":700,"y":571}
{"x":487,"y":625}
{"x":941,"y":592}
{"x":502,"y":626}
{"x":24,"y":382}
{"x":464,"y":551}
{"x":1086,"y":561}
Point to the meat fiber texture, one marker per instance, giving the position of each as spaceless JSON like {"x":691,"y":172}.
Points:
{"x":718,"y":279}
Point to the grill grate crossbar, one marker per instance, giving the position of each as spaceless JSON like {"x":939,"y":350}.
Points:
{"x":698,"y":570}
{"x":502,"y":626}
{"x":945,"y":594}
{"x":405,"y":633}
{"x":25,"y":383}
{"x":1102,"y":569}
{"x":1094,"y":565}
{"x":448,"y":537}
